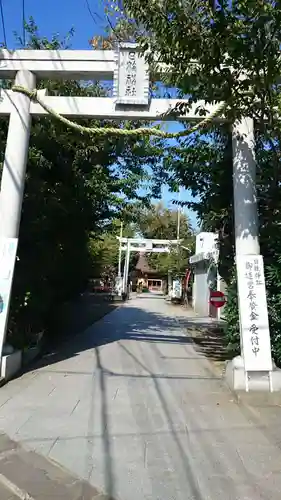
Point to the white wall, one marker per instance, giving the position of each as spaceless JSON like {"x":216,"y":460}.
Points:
{"x":201,"y":290}
{"x":206,"y":242}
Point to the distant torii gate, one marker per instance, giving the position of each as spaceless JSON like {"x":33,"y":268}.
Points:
{"x":129,"y":245}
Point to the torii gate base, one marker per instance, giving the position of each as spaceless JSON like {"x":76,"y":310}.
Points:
{"x":26,"y":66}
{"x":256,"y":382}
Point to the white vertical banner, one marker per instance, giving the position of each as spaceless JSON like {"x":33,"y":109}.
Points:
{"x":118,"y":285}
{"x":177,"y":289}
{"x":8,"y":253}
{"x":254,"y":326}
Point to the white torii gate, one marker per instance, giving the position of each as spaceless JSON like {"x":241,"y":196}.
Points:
{"x":129,"y":245}
{"x":130,"y":75}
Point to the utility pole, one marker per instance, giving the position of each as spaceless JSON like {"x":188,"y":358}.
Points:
{"x":120,"y":250}
{"x":126,"y":267}
{"x":179,"y":217}
{"x":178,"y":229}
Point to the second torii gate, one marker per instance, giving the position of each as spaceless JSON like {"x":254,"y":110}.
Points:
{"x":129,"y":245}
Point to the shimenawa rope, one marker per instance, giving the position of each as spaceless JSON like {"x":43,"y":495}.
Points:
{"x":104,"y":131}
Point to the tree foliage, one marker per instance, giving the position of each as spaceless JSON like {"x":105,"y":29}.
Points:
{"x":211,"y":45}
{"x":158,"y":222}
{"x":104,"y":249}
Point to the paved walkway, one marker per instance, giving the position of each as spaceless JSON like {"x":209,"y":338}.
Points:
{"x":133,"y":408}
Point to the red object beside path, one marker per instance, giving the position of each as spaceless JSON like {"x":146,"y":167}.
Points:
{"x":217,"y":299}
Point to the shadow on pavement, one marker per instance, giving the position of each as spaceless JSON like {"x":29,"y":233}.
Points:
{"x":211,"y":343}
{"x":138,"y":325}
{"x":153,"y":408}
{"x":109,"y":330}
{"x":108,"y":466}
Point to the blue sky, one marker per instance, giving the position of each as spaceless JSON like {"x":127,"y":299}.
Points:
{"x":58,"y":17}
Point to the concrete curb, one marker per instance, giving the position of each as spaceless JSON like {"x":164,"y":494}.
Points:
{"x":22,"y":495}
{"x":30,"y":476}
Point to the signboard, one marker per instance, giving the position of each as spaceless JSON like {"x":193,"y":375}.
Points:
{"x":176,"y":289}
{"x":217,"y":298}
{"x":149,"y":246}
{"x":8,"y":252}
{"x":254,"y":326}
{"x":131,"y":79}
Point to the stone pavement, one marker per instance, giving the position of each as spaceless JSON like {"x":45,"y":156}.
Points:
{"x":26,"y":475}
{"x":133,"y":409}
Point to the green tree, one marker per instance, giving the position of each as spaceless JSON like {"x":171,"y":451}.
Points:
{"x":224,"y":38}
{"x":158,"y":222}
{"x":162,"y":223}
{"x":205,"y":168}
{"x":104,"y":250}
